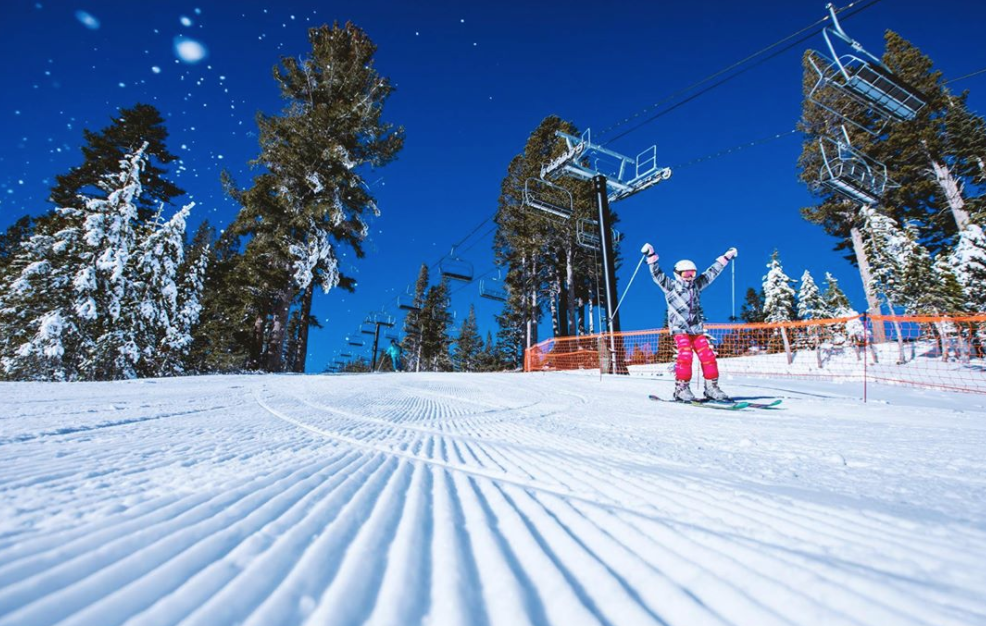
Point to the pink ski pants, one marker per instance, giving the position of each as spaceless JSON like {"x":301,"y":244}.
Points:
{"x":687,"y":344}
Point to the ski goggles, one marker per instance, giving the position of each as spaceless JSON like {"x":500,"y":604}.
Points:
{"x":687,"y":273}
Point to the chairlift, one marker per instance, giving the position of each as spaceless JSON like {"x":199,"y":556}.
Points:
{"x":624,"y":175}
{"x":850,"y":173}
{"x":587,"y":234}
{"x":391,"y":336}
{"x":548,"y":197}
{"x":406,"y":301}
{"x":382,"y":318}
{"x":368,"y":328}
{"x":865,"y":81}
{"x":492,"y":289}
{"x":355,"y":341}
{"x":346,"y":355}
{"x":455,"y":268}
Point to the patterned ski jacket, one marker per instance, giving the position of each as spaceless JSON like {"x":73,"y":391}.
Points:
{"x":684,"y":305}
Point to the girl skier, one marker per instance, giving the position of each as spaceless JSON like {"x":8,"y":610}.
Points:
{"x":685,"y":321}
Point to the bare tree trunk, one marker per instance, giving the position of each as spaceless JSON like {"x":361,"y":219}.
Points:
{"x":573,"y":303}
{"x":257,"y":353}
{"x":952,"y":190}
{"x":275,"y":351}
{"x":787,"y":345}
{"x":879,"y":335}
{"x":306,"y":310}
{"x":901,"y":358}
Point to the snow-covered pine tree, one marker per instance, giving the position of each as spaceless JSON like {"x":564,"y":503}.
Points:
{"x":778,"y":303}
{"x":179,"y":336}
{"x":811,"y":305}
{"x":39,"y":339}
{"x":779,"y":296}
{"x":96,"y":299}
{"x":157,"y":323}
{"x":103,"y":282}
{"x":968,"y":261}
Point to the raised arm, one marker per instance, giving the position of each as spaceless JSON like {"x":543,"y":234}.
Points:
{"x":663,"y":280}
{"x":715,"y":269}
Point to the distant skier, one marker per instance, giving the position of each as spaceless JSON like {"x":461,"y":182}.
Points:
{"x":685,"y":321}
{"x":394,"y":351}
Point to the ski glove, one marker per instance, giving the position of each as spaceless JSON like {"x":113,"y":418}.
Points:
{"x":651,"y":255}
{"x":728,"y":256}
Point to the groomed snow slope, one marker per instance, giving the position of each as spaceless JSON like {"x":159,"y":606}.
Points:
{"x":487,"y":499}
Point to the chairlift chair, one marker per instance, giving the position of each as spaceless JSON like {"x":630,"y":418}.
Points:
{"x":346,"y":355}
{"x":850,"y":173}
{"x":405,"y":301}
{"x":587,"y":234}
{"x":355,"y":341}
{"x":548,"y":197}
{"x":383,"y":319}
{"x":367,"y":328}
{"x":455,"y":268}
{"x":492,"y":289}
{"x":864,"y":81}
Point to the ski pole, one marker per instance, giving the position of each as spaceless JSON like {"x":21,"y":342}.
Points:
{"x":639,"y":263}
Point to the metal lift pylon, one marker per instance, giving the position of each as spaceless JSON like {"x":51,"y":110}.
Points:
{"x":614,"y":177}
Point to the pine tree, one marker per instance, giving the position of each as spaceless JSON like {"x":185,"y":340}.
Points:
{"x":11,"y":240}
{"x":469,"y":345}
{"x":411,"y":344}
{"x":314,"y":151}
{"x":40,"y":339}
{"x":752,"y":309}
{"x":935,"y":158}
{"x":778,"y":305}
{"x":130,"y":130}
{"x":97,"y":299}
{"x":968,"y":261}
{"x":836,"y":301}
{"x":811,"y":305}
{"x":436,"y":321}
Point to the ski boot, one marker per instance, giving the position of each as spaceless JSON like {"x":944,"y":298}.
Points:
{"x":712,"y":391}
{"x":683,"y":392}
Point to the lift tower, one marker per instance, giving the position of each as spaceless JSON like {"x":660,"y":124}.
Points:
{"x":614,"y":177}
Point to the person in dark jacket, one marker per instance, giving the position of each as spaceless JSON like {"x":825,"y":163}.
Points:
{"x":685,"y":321}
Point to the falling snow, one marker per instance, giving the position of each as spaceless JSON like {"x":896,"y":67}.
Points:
{"x":88,"y":19}
{"x":189,"y":50}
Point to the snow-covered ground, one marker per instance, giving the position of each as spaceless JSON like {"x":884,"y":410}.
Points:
{"x":487,"y":499}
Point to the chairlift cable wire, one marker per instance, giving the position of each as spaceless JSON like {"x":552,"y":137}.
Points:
{"x":976,"y":73}
{"x":736,"y":74}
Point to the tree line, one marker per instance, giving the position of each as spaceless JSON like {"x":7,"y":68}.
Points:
{"x":104,"y":286}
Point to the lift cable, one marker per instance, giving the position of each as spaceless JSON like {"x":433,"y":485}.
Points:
{"x":731,"y":76}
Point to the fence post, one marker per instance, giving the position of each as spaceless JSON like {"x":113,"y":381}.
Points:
{"x":866,"y":346}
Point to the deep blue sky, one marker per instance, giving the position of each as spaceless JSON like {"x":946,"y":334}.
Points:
{"x":473,"y":80}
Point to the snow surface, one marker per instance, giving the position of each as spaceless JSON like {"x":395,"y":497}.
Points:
{"x":555,"y":498}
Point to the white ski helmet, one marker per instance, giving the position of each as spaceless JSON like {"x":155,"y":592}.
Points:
{"x":684,"y":265}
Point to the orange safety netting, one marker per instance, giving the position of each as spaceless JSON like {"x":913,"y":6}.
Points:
{"x":945,"y":352}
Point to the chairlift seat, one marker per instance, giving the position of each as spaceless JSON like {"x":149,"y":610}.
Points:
{"x":456,"y":269}
{"x":892,"y":96}
{"x":548,"y":197}
{"x":489,"y":290}
{"x":850,"y":173}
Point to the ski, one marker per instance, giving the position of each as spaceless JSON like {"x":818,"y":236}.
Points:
{"x":764,"y":405}
{"x":722,"y":406}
